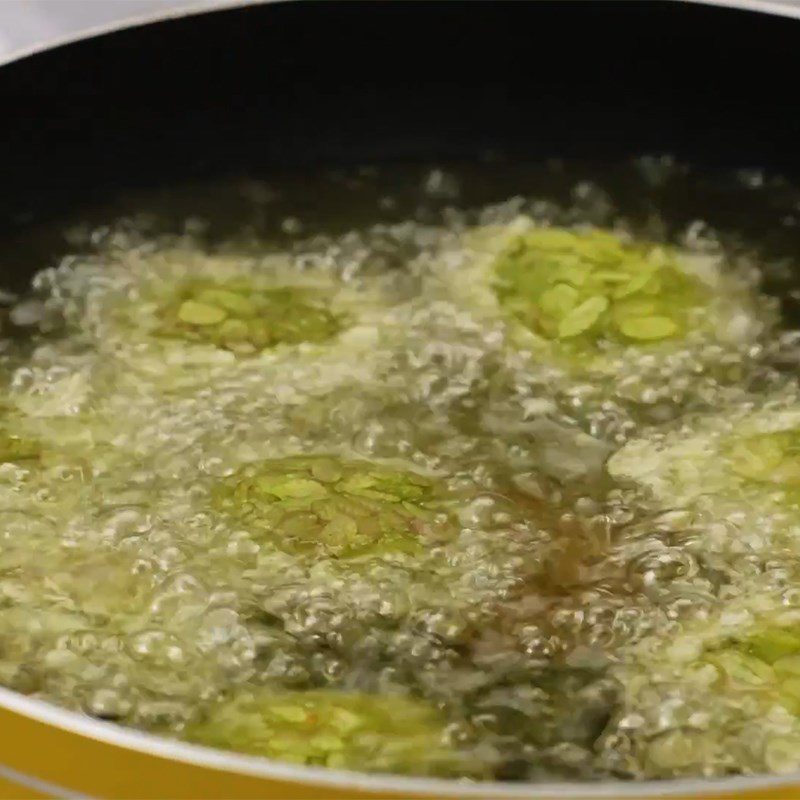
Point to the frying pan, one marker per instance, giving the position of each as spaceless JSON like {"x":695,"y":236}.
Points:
{"x":293,"y":86}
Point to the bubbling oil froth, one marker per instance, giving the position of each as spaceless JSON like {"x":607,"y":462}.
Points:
{"x":124,"y":593}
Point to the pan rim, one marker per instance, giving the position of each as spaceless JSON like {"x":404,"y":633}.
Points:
{"x":267,"y":769}
{"x":187,"y":8}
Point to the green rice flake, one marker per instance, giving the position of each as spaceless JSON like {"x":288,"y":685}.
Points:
{"x":582,"y":318}
{"x":193,"y":312}
{"x":583,"y":287}
{"x":635,"y":284}
{"x":17,"y":448}
{"x":787,"y":666}
{"x":246,"y":318}
{"x":772,"y":458}
{"x":345,"y":509}
{"x":648,"y":328}
{"x":559,"y":300}
{"x":233,"y":302}
{"x":293,"y":488}
{"x":773,"y":645}
{"x":386,"y":733}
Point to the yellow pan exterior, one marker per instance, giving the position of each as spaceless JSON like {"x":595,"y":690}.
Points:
{"x":43,"y":760}
{"x":46,"y":752}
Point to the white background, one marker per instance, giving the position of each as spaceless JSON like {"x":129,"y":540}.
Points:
{"x":30,"y":25}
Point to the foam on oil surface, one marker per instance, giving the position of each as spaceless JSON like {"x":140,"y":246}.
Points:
{"x":533,"y":630}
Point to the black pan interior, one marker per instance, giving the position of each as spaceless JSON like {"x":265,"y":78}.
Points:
{"x":293,"y":85}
